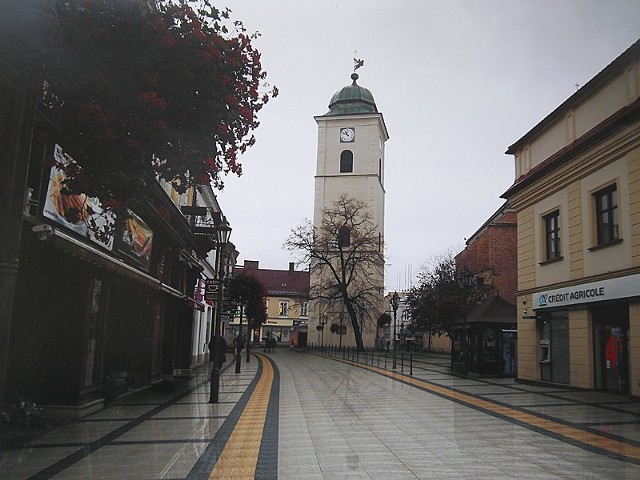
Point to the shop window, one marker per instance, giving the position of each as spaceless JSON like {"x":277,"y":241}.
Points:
{"x":551,"y":223}
{"x":606,"y":215}
{"x":346,"y":161}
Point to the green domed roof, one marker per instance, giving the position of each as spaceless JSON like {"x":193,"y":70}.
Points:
{"x":352,"y":99}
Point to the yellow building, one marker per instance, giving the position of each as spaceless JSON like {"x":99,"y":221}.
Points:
{"x":577,"y":197}
{"x":287,"y":304}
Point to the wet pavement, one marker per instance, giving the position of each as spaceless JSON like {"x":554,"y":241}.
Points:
{"x":303,"y":415}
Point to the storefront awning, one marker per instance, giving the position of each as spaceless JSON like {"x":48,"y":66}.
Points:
{"x":493,"y":310}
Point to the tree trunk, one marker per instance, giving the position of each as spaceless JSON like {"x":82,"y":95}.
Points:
{"x":357,"y":332}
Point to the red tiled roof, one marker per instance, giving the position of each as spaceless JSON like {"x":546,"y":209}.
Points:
{"x":281,"y":281}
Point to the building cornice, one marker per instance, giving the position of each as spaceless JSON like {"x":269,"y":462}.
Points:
{"x":595,"y":84}
{"x":609,"y":127}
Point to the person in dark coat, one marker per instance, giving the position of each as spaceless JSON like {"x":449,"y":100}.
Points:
{"x":239,"y":343}
{"x":221,"y":349}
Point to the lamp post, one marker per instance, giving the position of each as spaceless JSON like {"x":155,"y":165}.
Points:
{"x":395,"y":300}
{"x":223,"y":232}
{"x":465,"y":282}
{"x":341,"y":320}
{"x":323,"y":322}
{"x":239,"y":341}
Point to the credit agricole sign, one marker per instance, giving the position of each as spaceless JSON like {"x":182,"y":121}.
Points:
{"x":614,"y":288}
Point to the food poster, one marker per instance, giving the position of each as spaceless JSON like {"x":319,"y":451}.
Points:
{"x":134,"y":239}
{"x":75,"y":212}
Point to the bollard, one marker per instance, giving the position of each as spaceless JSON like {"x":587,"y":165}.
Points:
{"x":385,"y":360}
{"x":402,"y":362}
{"x":343,"y":350}
{"x":411,"y":364}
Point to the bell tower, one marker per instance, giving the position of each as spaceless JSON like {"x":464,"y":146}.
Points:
{"x":350,"y":161}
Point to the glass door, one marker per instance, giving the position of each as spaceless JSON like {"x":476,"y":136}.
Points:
{"x":615,"y":361}
{"x":611,"y":347}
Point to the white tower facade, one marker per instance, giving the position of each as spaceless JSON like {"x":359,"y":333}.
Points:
{"x":351,"y":162}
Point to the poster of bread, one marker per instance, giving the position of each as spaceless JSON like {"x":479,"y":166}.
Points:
{"x":74,"y":211}
{"x":134,"y":239}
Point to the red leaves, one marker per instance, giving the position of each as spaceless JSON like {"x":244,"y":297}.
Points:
{"x":152,"y":98}
{"x":168,"y":41}
{"x":223,"y":129}
{"x":162,"y":89}
{"x":135,"y":144}
{"x":245,"y":113}
{"x":211,"y":165}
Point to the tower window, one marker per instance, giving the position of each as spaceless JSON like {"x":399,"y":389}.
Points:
{"x":346,"y":161}
{"x":344,"y":236}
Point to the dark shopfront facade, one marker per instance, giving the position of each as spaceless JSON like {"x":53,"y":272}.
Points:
{"x":90,"y":323}
{"x":491,"y":339}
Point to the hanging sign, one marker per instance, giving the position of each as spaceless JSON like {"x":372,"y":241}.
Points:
{"x":211,"y":289}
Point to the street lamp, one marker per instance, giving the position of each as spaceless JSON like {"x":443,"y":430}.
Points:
{"x":465,"y":282}
{"x":223,"y":232}
{"x":395,"y":300}
{"x":239,"y":340}
{"x":341,"y":320}
{"x":323,"y":322}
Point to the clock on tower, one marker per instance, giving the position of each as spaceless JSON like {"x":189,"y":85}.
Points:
{"x":347,"y":134}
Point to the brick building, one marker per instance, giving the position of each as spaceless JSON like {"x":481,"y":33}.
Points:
{"x":489,"y":323}
{"x":491,"y":253}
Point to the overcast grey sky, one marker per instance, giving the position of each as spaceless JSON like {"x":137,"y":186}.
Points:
{"x":457,"y":81}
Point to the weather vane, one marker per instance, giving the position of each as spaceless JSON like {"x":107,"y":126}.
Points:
{"x":357,"y":63}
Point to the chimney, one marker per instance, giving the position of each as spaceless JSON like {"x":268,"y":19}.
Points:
{"x":251,"y":264}
{"x":292,"y":266}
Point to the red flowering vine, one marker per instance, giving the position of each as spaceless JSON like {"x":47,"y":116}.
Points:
{"x":172,"y":89}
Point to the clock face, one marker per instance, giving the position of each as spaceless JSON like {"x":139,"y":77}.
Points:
{"x":347,"y":134}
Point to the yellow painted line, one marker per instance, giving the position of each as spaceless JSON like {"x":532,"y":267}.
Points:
{"x":239,"y":458}
{"x":558,"y":429}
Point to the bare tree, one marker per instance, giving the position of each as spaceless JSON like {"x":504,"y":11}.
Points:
{"x":346,"y":257}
